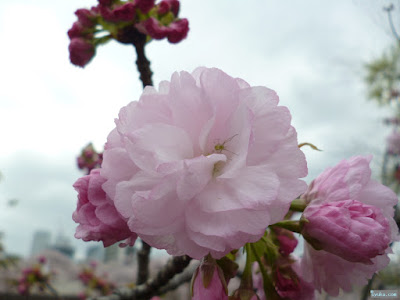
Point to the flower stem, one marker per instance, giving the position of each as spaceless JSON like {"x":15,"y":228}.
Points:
{"x":269,"y":289}
{"x":247,"y":279}
{"x":291,"y":225}
{"x":298,"y":205}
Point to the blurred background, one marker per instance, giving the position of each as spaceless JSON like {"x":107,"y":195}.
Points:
{"x":314,"y":54}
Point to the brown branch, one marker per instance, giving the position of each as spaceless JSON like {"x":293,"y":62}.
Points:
{"x":178,"y":280}
{"x":131,"y":36}
{"x":153,"y":286}
{"x":142,"y":63}
{"x":143,"y":263}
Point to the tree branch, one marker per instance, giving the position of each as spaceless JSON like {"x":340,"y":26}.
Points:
{"x":143,"y":263}
{"x":153,"y":286}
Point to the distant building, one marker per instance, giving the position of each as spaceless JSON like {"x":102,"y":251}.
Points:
{"x":95,"y":252}
{"x":40,"y":242}
{"x":63,"y":245}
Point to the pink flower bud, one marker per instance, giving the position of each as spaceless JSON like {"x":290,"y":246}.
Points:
{"x":287,"y":285}
{"x":163,"y":7}
{"x":85,"y":17}
{"x":178,"y":30}
{"x":77,"y":30}
{"x":166,"y":6}
{"x":350,"y":229}
{"x":81,"y":162}
{"x":173,"y":6}
{"x":125,"y":12}
{"x":208,"y":282}
{"x":287,"y":240}
{"x":108,"y":14}
{"x":105,"y":2}
{"x":88,"y":153}
{"x":81,"y":51}
{"x":152,"y":28}
{"x":291,"y":286}
{"x":144,"y":5}
{"x":42,"y":260}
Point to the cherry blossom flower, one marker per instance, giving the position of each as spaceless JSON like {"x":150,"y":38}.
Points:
{"x":370,"y":207}
{"x":98,"y":220}
{"x":204,"y":164}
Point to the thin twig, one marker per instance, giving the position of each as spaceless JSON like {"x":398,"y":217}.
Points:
{"x":153,"y":286}
{"x":389,"y":10}
{"x":178,"y":280}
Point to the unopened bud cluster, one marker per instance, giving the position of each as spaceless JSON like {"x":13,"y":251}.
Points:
{"x":124,"y":21}
{"x":89,"y":159}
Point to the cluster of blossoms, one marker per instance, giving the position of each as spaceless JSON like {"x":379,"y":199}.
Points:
{"x":89,"y":159}
{"x":124,"y":21}
{"x":94,"y":284}
{"x":209,"y":185}
{"x":34,"y":276}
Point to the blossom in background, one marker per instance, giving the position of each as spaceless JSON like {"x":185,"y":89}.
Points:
{"x":98,"y":220}
{"x":207,"y":184}
{"x":89,"y":158}
{"x":34,"y":277}
{"x":94,"y":284}
{"x":351,"y":219}
{"x":393,"y":143}
{"x":126,"y":22}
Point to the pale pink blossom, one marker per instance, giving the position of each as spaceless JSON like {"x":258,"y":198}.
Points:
{"x":204,"y":164}
{"x":98,"y":220}
{"x":349,"y":183}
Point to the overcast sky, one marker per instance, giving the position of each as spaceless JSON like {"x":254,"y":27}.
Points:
{"x":311,"y":52}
